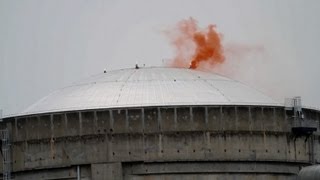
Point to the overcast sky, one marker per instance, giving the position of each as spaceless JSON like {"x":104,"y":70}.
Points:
{"x":46,"y":45}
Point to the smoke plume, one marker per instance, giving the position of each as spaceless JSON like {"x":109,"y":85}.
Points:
{"x":194,"y":45}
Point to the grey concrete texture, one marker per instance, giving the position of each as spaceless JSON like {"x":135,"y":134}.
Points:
{"x":207,"y":142}
{"x":310,"y":173}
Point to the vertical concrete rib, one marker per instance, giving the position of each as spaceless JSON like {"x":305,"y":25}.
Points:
{"x":127,"y":120}
{"x":250,"y":120}
{"x":95,"y":121}
{"x":80,"y":123}
{"x":16,"y":127}
{"x":191,"y":115}
{"x":38,"y":121}
{"x":175,"y":117}
{"x":159,"y":119}
{"x":66,"y":122}
{"x":221,"y":118}
{"x":142,"y":120}
{"x":51,"y":125}
{"x":111,"y":119}
{"x":236,"y":117}
{"x":206,"y":115}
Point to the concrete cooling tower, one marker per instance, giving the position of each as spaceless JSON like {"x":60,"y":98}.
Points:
{"x":159,"y":124}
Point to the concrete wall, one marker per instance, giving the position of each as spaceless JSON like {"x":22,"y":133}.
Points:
{"x":105,"y":142}
{"x":209,"y":170}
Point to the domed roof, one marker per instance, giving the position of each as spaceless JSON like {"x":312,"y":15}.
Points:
{"x":150,"y":87}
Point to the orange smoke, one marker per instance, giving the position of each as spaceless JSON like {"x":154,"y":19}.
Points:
{"x":194,"y":46}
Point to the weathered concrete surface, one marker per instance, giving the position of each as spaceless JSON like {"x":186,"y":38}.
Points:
{"x":209,"y":171}
{"x":213,"y":177}
{"x":208,"y":167}
{"x":66,"y":173}
{"x":310,"y":173}
{"x":105,"y":139}
{"x":107,"y":171}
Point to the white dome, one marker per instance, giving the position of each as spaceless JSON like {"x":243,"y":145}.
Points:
{"x":150,"y":87}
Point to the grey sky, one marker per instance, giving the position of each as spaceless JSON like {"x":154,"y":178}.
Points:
{"x":45,"y":45}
